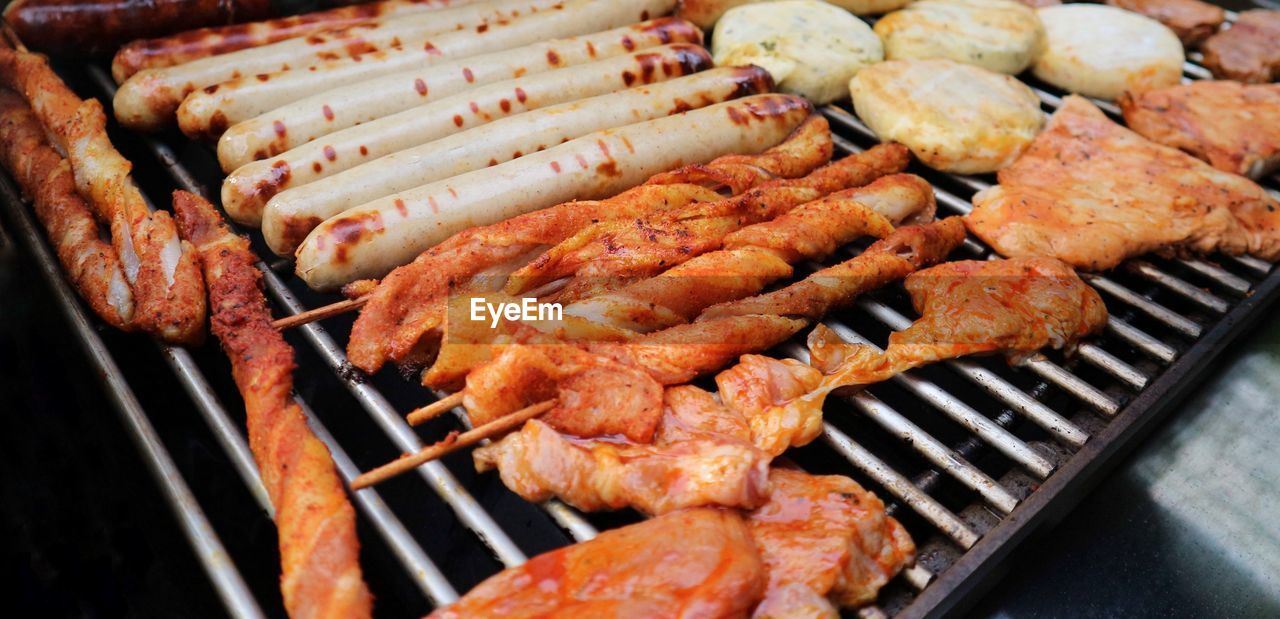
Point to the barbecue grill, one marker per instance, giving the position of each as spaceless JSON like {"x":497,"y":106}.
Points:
{"x":972,"y":455}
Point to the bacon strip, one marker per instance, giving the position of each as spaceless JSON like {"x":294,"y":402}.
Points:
{"x":318,"y":546}
{"x":45,"y":178}
{"x":160,"y":269}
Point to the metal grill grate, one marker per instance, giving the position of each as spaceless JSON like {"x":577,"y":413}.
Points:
{"x":971,"y":454}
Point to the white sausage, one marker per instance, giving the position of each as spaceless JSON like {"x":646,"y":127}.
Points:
{"x":207,"y":113}
{"x":148,"y":99}
{"x":184,"y":47}
{"x":248,"y":189}
{"x":372,"y":239}
{"x":346,"y":106}
{"x":290,"y":215}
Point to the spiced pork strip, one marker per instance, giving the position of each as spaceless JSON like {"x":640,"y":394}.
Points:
{"x":46,"y":179}
{"x":363,"y":101}
{"x":409,"y":304}
{"x":184,"y":47}
{"x":318,"y":547}
{"x":161,"y":270}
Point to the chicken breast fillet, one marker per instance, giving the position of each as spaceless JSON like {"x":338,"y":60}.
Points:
{"x":1233,"y":126}
{"x":1192,"y":20}
{"x":1001,"y":35}
{"x":1247,"y":51}
{"x":826,"y":543}
{"x":630,"y":572}
{"x":954,"y":117}
{"x":1102,"y":51}
{"x":1093,"y":193}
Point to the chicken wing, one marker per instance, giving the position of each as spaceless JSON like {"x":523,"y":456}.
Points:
{"x":1233,"y":126}
{"x":1092,"y":193}
{"x":1247,"y":51}
{"x":630,"y":572}
{"x":826,"y":543}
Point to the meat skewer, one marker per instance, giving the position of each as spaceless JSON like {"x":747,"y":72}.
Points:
{"x":1017,"y":307}
{"x":599,"y":391}
{"x":318,"y":547}
{"x":403,"y":315}
{"x":754,"y":256}
{"x":629,"y":250}
{"x":46,"y":178}
{"x":161,"y":270}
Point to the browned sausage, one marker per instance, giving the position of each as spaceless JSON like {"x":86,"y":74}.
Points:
{"x":81,"y":27}
{"x":204,"y":42}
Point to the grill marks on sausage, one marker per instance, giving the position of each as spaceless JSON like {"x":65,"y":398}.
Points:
{"x":347,"y":232}
{"x":279,"y":128}
{"x":277,"y":176}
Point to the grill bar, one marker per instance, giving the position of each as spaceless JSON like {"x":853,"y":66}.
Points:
{"x":924,"y":443}
{"x":899,"y":486}
{"x":961,"y":413}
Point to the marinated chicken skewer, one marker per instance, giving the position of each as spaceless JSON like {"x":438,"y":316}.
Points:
{"x":45,"y":177}
{"x":753,"y":257}
{"x":161,"y":271}
{"x":1017,"y":307}
{"x":1092,"y":193}
{"x":612,"y":384}
{"x":608,"y":254}
{"x":756,"y":255}
{"x":824,"y":541}
{"x":404,"y":312}
{"x":318,"y":547}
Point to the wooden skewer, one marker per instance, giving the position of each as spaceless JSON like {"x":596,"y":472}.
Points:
{"x":452,"y":443}
{"x":319,"y":313}
{"x":11,"y":37}
{"x":434,"y":409}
